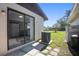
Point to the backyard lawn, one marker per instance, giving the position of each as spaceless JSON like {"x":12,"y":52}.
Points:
{"x":58,"y":42}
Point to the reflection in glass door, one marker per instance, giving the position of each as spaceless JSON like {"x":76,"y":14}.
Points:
{"x":29,"y":29}
{"x":16,"y":29}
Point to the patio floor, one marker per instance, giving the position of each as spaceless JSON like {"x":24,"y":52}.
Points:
{"x":35,"y":49}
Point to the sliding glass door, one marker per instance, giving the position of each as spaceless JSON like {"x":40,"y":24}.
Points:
{"x":20,"y":28}
{"x":29,"y":29}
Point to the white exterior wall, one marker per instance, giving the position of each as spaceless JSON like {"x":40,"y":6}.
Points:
{"x":73,"y":19}
{"x":38,"y":28}
{"x":3,"y":24}
{"x":3,"y":31}
{"x":76,"y":22}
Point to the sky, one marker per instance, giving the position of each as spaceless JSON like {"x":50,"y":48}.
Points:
{"x":54,"y":11}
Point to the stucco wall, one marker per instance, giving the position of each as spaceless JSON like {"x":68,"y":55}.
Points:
{"x":75,"y":22}
{"x":68,"y":28}
{"x":3,"y":24}
{"x":3,"y":30}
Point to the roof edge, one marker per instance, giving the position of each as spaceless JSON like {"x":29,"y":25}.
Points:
{"x":35,"y":5}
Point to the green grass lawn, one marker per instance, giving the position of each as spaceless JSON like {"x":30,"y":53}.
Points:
{"x":58,"y":42}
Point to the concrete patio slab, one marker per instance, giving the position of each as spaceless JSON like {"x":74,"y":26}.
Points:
{"x":48,"y":55}
{"x":48,"y":48}
{"x":29,"y":50}
{"x":45,"y":51}
{"x":56,"y":50}
{"x":33,"y":52}
{"x":65,"y":41}
{"x":26,"y":55}
{"x":39,"y":54}
{"x":53,"y":53}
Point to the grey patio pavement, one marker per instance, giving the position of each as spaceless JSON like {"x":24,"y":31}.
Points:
{"x":35,"y":49}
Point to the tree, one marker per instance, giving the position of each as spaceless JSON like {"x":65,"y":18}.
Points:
{"x":67,"y":13}
{"x":55,"y":27}
{"x":63,"y":20}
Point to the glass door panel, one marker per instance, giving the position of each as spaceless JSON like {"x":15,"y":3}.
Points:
{"x":27,"y":29}
{"x":16,"y":26}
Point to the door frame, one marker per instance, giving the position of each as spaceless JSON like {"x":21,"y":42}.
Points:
{"x":8,"y":28}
